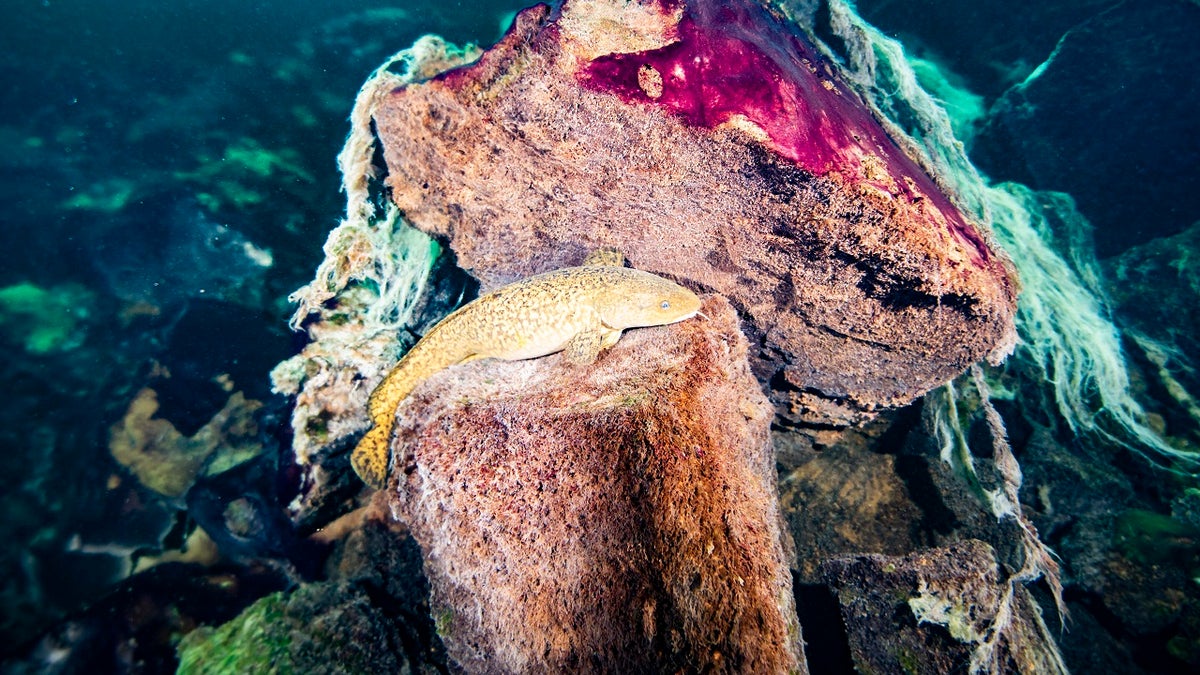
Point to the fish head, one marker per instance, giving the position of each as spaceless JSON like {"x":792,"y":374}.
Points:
{"x":644,"y":299}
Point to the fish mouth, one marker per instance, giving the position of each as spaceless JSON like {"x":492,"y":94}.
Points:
{"x":693,"y":313}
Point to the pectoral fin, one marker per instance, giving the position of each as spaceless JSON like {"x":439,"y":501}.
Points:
{"x":584,"y":348}
{"x":609,"y":338}
{"x":605,"y":257}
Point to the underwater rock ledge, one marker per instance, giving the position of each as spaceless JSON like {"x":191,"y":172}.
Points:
{"x":619,"y":517}
{"x":711,"y":144}
{"x":940,"y":610}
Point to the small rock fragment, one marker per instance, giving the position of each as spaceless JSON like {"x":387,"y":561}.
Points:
{"x":941,"y":610}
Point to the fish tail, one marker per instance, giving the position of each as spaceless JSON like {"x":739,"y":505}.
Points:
{"x":371,"y":455}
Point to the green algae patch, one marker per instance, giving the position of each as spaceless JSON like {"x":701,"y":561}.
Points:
{"x":257,"y":641}
{"x":242,"y":176}
{"x":320,"y":627}
{"x":105,"y":196}
{"x":44,"y":320}
{"x":1150,"y":538}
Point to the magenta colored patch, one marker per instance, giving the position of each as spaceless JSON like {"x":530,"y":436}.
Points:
{"x":735,"y":58}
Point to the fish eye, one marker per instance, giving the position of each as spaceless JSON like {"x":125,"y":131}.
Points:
{"x":666,"y":304}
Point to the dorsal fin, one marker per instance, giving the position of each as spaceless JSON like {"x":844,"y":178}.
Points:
{"x":605,"y":257}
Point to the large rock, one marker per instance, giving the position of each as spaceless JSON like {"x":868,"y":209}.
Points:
{"x":619,"y":517}
{"x":710,"y":143}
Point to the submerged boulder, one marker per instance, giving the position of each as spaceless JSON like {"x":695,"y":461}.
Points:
{"x":712,"y":144}
{"x":618,"y":517}
{"x":939,"y":611}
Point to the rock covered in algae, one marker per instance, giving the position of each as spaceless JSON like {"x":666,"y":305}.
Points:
{"x":938,"y":611}
{"x":369,"y":616}
{"x":306,"y":631}
{"x":619,"y":517}
{"x":167,"y":461}
{"x":710,"y":143}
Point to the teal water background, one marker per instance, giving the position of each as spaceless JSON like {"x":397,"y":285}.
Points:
{"x":168,"y":176}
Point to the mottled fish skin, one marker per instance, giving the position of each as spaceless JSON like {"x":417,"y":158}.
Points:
{"x":579,"y":310}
